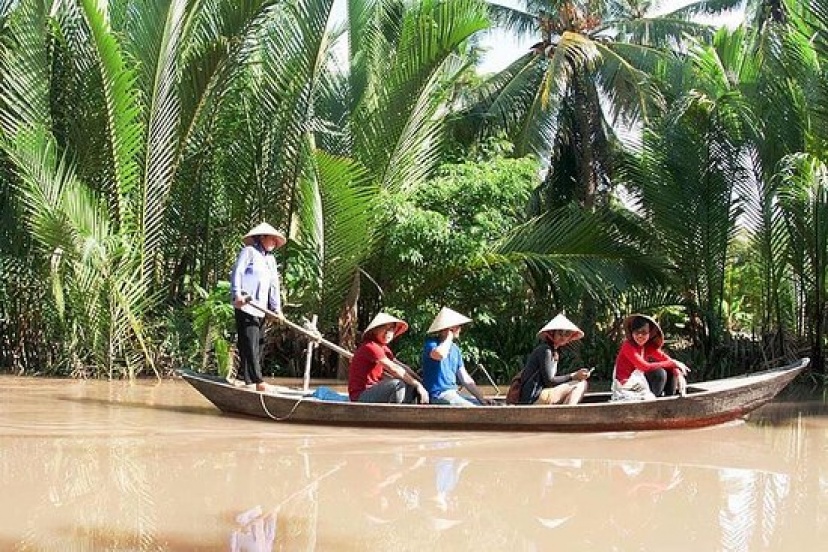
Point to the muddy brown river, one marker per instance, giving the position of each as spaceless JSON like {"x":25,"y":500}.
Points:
{"x":93,"y":465}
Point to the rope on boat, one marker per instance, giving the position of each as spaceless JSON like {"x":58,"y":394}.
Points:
{"x":277,"y":418}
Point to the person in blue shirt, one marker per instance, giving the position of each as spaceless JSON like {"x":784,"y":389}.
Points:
{"x":443,"y":369}
{"x":255,"y":279}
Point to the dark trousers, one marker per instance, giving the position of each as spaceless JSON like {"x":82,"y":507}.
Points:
{"x":389,"y":390}
{"x":662,"y":382}
{"x":249,"y":339}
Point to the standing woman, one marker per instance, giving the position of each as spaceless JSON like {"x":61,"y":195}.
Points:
{"x":642,"y":369}
{"x":541,"y":383}
{"x":255,"y":278}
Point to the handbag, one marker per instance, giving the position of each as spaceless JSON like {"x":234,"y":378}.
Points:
{"x":513,"y":394}
{"x":635,"y":389}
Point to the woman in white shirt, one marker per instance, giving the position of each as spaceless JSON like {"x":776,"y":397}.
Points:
{"x":255,"y":279}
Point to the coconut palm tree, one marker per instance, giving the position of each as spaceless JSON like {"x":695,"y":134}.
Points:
{"x":585,"y":76}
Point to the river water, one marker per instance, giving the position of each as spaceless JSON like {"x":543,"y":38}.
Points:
{"x":94,"y":465}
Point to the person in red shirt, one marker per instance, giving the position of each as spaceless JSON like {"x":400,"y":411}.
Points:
{"x":641,"y":360}
{"x":375,"y":375}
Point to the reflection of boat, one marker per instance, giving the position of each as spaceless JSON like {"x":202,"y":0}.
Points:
{"x":706,"y":403}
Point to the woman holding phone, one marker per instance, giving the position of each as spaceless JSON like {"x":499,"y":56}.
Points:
{"x":540,"y":382}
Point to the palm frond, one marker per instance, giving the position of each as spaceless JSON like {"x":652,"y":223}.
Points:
{"x":660,"y":32}
{"x":521,"y":22}
{"x":402,"y":116}
{"x":162,"y":132}
{"x":704,"y":7}
{"x":624,"y":76}
{"x":349,"y":203}
{"x":123,"y":131}
{"x":803,"y":198}
{"x":512,"y":101}
{"x":580,"y":245}
{"x":24,"y":69}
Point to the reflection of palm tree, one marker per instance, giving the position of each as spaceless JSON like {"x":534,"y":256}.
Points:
{"x":104,"y":489}
{"x":737,"y":517}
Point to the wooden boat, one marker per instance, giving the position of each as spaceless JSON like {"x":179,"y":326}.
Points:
{"x":706,"y":403}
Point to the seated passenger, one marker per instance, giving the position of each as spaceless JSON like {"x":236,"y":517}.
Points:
{"x":443,"y":369}
{"x":642,"y":370}
{"x":540,"y":382}
{"x":374,"y":375}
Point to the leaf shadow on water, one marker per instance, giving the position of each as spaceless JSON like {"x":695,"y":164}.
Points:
{"x":181,"y":409}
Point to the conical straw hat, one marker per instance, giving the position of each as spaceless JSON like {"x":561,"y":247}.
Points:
{"x":656,"y":334}
{"x":561,"y":322}
{"x":264,"y":229}
{"x":447,"y":318}
{"x":381,"y":319}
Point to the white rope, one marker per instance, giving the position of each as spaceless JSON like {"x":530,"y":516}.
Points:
{"x":272,"y":417}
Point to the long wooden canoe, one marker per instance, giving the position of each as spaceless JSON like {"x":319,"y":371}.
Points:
{"x":706,"y":403}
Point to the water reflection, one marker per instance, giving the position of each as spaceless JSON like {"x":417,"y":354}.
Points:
{"x":404,"y":500}
{"x":256,"y":532}
{"x":89,"y":474}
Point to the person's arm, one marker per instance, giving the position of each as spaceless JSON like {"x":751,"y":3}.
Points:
{"x":274,"y":295}
{"x":236,"y":291}
{"x":396,"y":370}
{"x":549,"y":370}
{"x":441,"y":351}
{"x":636,"y":359}
{"x":411,"y":372}
{"x":660,"y":356}
{"x":466,"y":381}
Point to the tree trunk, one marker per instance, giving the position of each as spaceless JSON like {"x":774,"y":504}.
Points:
{"x":348,"y":326}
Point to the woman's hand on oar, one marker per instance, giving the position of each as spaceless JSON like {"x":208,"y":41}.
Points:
{"x":408,"y":369}
{"x":310,"y":334}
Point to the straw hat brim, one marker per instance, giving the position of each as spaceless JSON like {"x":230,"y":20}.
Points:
{"x":562,"y":323}
{"x":447,"y":318}
{"x":264,"y":229}
{"x":657,"y":339}
{"x":381,"y":319}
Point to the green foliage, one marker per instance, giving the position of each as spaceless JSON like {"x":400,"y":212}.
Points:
{"x":140,"y":139}
{"x":589,"y":67}
{"x":214,"y":324}
{"x":435,"y":240}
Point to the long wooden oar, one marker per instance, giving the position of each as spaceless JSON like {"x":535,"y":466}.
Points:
{"x":315,"y":336}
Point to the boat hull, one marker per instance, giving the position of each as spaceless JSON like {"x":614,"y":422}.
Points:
{"x":707,"y":403}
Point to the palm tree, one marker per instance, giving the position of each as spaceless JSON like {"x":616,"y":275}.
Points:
{"x":144,"y":136}
{"x":96,"y":141}
{"x":803,"y":201}
{"x":388,"y":105}
{"x":800,"y":179}
{"x":97,"y":237}
{"x":586,"y":75}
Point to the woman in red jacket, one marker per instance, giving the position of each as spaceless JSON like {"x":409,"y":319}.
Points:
{"x":642,"y":369}
{"x":375,"y":375}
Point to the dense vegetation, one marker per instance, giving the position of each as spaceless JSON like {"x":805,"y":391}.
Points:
{"x":626,"y":162}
